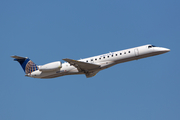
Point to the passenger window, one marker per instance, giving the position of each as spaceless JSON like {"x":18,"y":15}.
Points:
{"x":87,"y":61}
{"x":120,"y":53}
{"x":91,"y":59}
{"x":112,"y":55}
{"x":108,"y":56}
{"x":116,"y":54}
{"x":129,"y":51}
{"x":95,"y":59}
{"x":104,"y":57}
{"x":99,"y":58}
{"x":124,"y":52}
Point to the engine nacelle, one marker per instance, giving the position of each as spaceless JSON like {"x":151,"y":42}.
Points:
{"x":51,"y":66}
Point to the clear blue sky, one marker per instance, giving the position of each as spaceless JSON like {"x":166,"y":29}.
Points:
{"x":47,"y":31}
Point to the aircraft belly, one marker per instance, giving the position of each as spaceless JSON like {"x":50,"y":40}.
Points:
{"x":126,"y":60}
{"x":60,"y":73}
{"x":149,"y":55}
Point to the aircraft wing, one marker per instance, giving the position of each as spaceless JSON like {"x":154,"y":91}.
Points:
{"x":81,"y":66}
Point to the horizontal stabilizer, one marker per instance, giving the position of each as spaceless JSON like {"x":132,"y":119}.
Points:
{"x":18,"y":57}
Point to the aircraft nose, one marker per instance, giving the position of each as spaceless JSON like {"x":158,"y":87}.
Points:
{"x":167,"y":49}
{"x":164,"y":49}
{"x":161,"y":49}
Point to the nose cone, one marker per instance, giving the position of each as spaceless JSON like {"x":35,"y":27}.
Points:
{"x":161,"y":49}
{"x":165,"y":49}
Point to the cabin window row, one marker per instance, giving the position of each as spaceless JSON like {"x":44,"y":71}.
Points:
{"x":109,"y":56}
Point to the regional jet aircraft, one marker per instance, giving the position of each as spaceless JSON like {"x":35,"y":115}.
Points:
{"x":88,"y":66}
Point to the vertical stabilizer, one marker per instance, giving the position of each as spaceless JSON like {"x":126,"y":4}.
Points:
{"x":27,"y":65}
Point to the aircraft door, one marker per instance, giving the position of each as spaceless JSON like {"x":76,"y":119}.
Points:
{"x":136,"y":52}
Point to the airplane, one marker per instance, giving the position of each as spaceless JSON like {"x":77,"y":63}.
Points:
{"x":88,"y":66}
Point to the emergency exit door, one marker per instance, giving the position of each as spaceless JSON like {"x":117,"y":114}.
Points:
{"x":136,"y":51}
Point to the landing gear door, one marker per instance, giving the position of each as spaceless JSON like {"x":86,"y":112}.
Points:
{"x":136,"y":52}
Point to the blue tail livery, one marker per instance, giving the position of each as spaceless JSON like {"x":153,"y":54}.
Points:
{"x":27,"y":65}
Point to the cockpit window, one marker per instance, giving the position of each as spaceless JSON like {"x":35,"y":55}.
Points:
{"x":150,"y":46}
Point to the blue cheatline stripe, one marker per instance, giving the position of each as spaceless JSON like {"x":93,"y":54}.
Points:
{"x":24,"y":63}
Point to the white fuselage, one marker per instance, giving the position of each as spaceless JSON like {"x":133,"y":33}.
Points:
{"x":104,"y":61}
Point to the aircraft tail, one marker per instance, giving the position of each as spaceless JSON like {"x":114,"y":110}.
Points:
{"x":27,"y":65}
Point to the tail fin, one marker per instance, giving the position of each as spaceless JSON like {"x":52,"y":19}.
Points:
{"x":27,"y":65}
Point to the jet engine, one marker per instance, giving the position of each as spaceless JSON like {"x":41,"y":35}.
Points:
{"x":51,"y":66}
